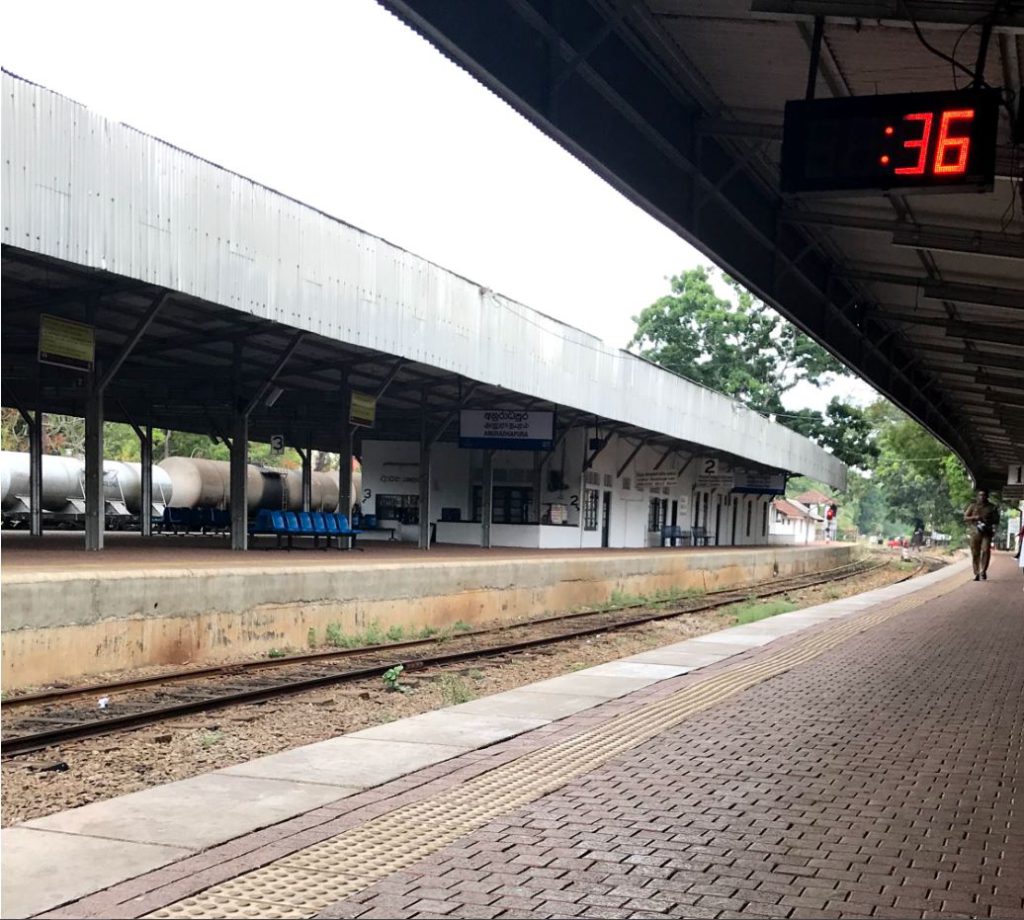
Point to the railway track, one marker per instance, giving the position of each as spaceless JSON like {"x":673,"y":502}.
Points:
{"x":53,"y":716}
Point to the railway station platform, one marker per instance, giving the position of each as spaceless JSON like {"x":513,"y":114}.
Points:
{"x":176,"y":600}
{"x":862,"y":758}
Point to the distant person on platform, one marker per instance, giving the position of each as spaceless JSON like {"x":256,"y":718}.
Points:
{"x":983,"y":517}
{"x":917,"y":540}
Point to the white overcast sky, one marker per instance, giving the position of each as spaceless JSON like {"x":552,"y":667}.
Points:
{"x":343,"y":107}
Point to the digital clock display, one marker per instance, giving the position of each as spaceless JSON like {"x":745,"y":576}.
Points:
{"x":928,"y":141}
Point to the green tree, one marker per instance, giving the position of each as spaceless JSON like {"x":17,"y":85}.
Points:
{"x":919,"y":477}
{"x":845,"y":429}
{"x":744,"y":349}
{"x":741,"y":348}
{"x":66,"y":434}
{"x":61,"y":433}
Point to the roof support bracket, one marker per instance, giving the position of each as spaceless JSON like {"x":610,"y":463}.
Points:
{"x":629,"y":459}
{"x":137,"y":333}
{"x":589,"y":462}
{"x":812,"y":69}
{"x":269,"y":382}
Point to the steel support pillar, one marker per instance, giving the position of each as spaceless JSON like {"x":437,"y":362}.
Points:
{"x":146,"y":457}
{"x":487,"y":499}
{"x":538,"y":486}
{"x":95,"y":499}
{"x":35,"y":473}
{"x":425,"y":451}
{"x":307,"y":479}
{"x":345,"y":498}
{"x":240,"y":482}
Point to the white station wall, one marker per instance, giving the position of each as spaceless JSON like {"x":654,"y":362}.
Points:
{"x":392,"y":467}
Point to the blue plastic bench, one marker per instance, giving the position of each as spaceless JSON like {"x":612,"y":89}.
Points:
{"x":292,"y":526}
{"x":672,"y":533}
{"x":320,"y":528}
{"x":308,"y":529}
{"x":279,"y":528}
{"x":345,"y":531}
{"x":271,"y":523}
{"x":260,"y":523}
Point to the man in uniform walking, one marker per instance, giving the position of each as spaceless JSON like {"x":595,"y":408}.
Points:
{"x":983,"y":517}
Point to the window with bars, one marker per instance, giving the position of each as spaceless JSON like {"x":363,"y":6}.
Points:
{"x":590,"y":504}
{"x":655,"y":515}
{"x":402,"y":508}
{"x":510,"y":504}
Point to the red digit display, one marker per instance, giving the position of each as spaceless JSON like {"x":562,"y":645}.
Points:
{"x":938,"y":142}
{"x":920,"y":143}
{"x":958,"y":143}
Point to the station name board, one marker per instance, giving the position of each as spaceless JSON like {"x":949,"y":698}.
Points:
{"x":506,"y":429}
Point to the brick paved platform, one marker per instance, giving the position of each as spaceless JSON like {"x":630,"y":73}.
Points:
{"x":885,"y":779}
{"x":867,"y":766}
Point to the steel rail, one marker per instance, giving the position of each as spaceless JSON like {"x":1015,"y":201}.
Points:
{"x":36,"y":741}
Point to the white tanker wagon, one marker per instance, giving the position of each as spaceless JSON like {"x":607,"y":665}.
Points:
{"x":199,"y":483}
{"x":63,"y":489}
{"x":186,"y":483}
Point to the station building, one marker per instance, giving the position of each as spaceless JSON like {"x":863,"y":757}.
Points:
{"x":218,"y":305}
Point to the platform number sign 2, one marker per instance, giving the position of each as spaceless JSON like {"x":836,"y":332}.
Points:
{"x":277,"y":443}
{"x":1015,"y":475}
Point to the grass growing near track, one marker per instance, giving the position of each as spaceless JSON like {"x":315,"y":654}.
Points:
{"x":751,"y":612}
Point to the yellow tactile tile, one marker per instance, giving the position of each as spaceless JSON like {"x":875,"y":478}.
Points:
{"x":207,"y":906}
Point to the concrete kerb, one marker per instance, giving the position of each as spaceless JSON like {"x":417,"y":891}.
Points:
{"x":61,"y":626}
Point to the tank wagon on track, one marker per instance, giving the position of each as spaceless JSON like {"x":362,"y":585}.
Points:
{"x":188,"y":492}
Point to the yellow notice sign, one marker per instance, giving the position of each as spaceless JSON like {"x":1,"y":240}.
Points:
{"x":66,"y":344}
{"x":363,"y":409}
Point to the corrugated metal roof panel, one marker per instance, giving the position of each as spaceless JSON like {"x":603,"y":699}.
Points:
{"x":86,"y":190}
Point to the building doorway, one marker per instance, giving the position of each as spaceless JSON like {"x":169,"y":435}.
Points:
{"x":606,"y":513}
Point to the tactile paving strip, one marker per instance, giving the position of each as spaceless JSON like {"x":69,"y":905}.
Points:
{"x":304,"y":883}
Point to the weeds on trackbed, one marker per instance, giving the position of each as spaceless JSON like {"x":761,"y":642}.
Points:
{"x":209,"y":738}
{"x":454,"y":690}
{"x":392,"y":679}
{"x":618,"y":600}
{"x":752,"y":611}
{"x":375,"y":634}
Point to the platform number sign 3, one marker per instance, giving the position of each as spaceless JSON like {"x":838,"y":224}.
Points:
{"x":277,"y":443}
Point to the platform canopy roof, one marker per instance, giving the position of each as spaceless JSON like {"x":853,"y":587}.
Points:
{"x":223,"y":295}
{"x":679,"y":104}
